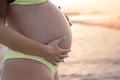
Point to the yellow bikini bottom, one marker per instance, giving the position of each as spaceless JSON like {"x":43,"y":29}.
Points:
{"x":14,"y":54}
{"x":27,"y":2}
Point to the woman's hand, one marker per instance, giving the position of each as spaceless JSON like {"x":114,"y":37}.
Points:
{"x":54,"y":53}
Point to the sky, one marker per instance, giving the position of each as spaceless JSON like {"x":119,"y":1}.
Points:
{"x":87,"y":6}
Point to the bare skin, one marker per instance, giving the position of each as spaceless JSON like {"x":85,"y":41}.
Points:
{"x":42,"y":23}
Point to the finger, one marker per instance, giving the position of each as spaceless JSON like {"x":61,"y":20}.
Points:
{"x":63,"y":56}
{"x":54,"y":63}
{"x":65,"y":51}
{"x":58,"y":48}
{"x":59,"y":60}
{"x":61,"y":39}
{"x":62,"y":50}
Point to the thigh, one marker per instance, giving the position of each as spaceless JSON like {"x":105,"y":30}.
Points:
{"x":25,"y":69}
{"x":56,"y":76}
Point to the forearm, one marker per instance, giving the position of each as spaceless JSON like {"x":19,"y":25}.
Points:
{"x":18,"y":42}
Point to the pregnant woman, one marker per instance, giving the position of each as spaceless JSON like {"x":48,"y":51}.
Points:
{"x":42,"y":22}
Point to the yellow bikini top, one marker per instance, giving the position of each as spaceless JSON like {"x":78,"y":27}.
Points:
{"x":27,"y":2}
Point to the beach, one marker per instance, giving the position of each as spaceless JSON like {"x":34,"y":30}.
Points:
{"x":95,"y":54}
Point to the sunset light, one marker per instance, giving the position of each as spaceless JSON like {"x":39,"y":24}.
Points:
{"x":38,"y":40}
{"x":89,"y":6}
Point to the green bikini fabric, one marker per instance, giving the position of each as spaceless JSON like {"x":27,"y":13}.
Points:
{"x":14,"y":54}
{"x":27,"y":2}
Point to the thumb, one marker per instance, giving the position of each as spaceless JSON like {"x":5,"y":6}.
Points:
{"x":61,"y":39}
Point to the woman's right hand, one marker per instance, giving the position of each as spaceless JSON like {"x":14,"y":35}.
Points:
{"x":55,"y":54}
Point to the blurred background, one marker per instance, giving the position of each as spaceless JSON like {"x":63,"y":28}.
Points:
{"x":95,"y":51}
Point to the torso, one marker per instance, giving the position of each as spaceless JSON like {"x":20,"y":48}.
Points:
{"x":42,"y":23}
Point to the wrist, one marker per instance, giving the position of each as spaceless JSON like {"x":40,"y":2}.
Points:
{"x":39,"y":50}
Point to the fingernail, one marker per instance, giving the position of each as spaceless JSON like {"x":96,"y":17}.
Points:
{"x":65,"y":37}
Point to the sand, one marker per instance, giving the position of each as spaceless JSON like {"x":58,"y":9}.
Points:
{"x":95,"y":54}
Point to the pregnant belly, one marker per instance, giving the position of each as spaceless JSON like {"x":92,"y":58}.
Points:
{"x":43,"y":23}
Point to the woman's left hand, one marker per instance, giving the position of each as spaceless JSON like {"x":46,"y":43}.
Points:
{"x":54,"y":53}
